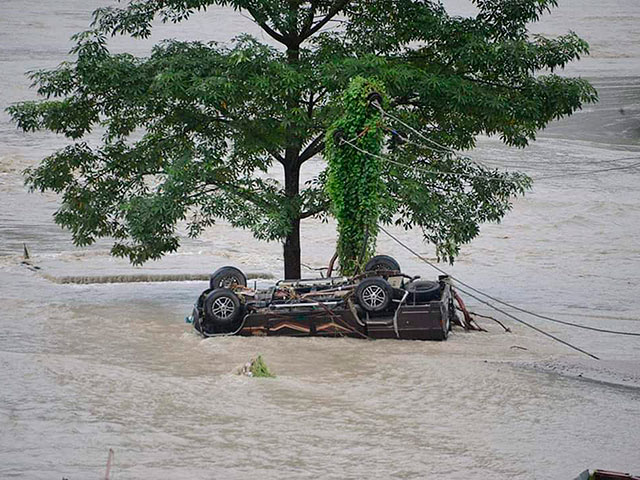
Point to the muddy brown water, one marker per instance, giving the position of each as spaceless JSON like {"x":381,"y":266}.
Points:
{"x":88,"y":367}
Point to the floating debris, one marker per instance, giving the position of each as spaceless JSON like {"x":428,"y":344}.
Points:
{"x":109,"y":464}
{"x":256,"y":368}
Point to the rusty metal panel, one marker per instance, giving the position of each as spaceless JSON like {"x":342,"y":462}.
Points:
{"x":421,"y":322}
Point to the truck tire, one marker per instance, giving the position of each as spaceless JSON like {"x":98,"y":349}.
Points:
{"x":227,"y":277}
{"x":382,"y":262}
{"x":195,"y":314}
{"x":222,"y":307}
{"x":374,"y":294}
{"x":422,"y":291}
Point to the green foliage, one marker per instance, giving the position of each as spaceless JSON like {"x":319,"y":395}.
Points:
{"x":260,"y":369}
{"x":354,"y":184}
{"x":449,"y":207}
{"x":189,"y":131}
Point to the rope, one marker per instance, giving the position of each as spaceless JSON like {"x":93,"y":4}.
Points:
{"x":534,"y":314}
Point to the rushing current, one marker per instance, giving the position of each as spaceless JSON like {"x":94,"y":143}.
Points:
{"x":89,"y":367}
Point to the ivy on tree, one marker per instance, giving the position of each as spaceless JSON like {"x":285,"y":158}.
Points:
{"x":354,"y":181}
{"x":188,"y":130}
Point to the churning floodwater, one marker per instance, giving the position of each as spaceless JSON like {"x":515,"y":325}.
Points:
{"x":88,"y":367}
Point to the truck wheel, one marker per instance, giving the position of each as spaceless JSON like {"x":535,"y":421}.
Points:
{"x":227,"y":277}
{"x":422,"y":291}
{"x":374,"y":294}
{"x":222,"y":306}
{"x":382,"y":262}
{"x":196,"y":319}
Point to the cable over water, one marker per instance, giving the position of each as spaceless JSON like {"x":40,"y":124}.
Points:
{"x":444,"y":150}
{"x":502,"y":302}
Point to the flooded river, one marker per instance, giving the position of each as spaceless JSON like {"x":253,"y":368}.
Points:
{"x":85,"y":368}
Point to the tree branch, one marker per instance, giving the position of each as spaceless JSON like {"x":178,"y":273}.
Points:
{"x":244,"y":193}
{"x":308,"y":22}
{"x":315,"y":211}
{"x":315,"y":147}
{"x":492,"y":84}
{"x":270,"y":31}
{"x":333,"y":11}
{"x":276,"y":156}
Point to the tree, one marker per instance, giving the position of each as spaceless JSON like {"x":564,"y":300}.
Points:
{"x":188,"y":130}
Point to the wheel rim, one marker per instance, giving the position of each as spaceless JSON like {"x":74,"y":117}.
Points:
{"x":374,"y":296}
{"x":223,"y":308}
{"x":228,"y":281}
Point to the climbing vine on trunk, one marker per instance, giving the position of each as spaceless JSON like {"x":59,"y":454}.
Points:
{"x":354,"y":181}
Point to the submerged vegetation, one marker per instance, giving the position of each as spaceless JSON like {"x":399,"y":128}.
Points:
{"x":256,"y":368}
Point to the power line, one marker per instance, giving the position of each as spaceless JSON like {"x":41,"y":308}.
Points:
{"x":425,"y":170}
{"x":546,"y":164}
{"x":444,"y":150}
{"x":492,"y":178}
{"x":415,"y":144}
{"x":576,"y":174}
{"x":543,"y":317}
{"x":447,"y":150}
{"x":515,"y":307}
{"x":557,"y":339}
{"x":484,"y":301}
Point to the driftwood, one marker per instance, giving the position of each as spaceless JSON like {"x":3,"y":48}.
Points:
{"x":469,"y":323}
{"x":109,"y":463}
{"x":506,"y":329}
{"x":469,"y":319}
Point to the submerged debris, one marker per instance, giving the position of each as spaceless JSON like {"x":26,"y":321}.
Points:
{"x":256,"y":368}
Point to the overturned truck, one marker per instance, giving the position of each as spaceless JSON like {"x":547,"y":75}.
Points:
{"x":376,"y":300}
{"x":381,"y":302}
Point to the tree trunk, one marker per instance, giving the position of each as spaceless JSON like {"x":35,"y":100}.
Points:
{"x":292,"y":241}
{"x":292,"y":182}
